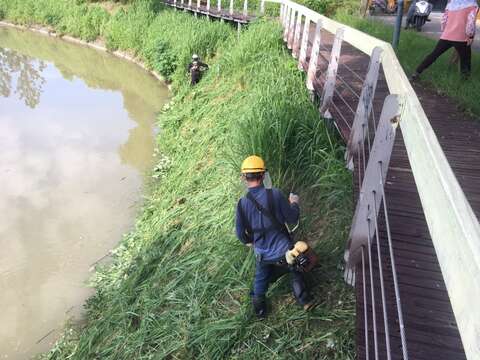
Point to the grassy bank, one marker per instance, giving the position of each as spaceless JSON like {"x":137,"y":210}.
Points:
{"x":178,"y":285}
{"x":442,"y":76}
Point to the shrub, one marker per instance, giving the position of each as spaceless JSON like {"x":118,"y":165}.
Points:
{"x":84,"y":21}
{"x":330,"y":7}
{"x":160,"y":57}
{"x":127,"y":29}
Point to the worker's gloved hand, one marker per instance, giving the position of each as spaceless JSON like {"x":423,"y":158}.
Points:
{"x":296,"y":257}
{"x":301,"y":263}
{"x":293,"y":198}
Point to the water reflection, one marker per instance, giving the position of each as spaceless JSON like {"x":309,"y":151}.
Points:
{"x":71,"y":163}
{"x":27,"y":72}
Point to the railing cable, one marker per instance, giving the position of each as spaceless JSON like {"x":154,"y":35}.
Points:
{"x":372,"y":290}
{"x":365,"y":313}
{"x":394,"y":271}
{"x":382,"y":285}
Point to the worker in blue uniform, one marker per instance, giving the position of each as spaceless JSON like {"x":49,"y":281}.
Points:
{"x":260,"y":223}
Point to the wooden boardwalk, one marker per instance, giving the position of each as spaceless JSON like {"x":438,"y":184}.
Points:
{"x":204,"y":8}
{"x":431,"y":329}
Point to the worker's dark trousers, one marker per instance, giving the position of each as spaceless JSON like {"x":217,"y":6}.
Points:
{"x":266,"y":274}
{"x":195,"y":77}
{"x":464,"y":51}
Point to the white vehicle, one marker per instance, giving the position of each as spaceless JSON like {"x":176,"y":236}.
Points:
{"x":420,"y":16}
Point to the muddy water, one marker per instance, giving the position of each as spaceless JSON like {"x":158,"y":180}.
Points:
{"x":76,"y":136}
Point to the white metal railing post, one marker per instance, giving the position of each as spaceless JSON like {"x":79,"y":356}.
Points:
{"x":364,"y":108}
{"x":245,"y":8}
{"x":287,"y":23}
{"x":380,"y":153}
{"x":331,"y":80}
{"x":282,"y":11}
{"x":198,"y":4}
{"x":231,"y":7}
{"x":190,"y":4}
{"x":262,"y":7}
{"x":219,"y":6}
{"x":303,"y":48}
{"x":296,"y":37}
{"x":208,"y":8}
{"x":291,"y":29}
{"x":313,"y":64}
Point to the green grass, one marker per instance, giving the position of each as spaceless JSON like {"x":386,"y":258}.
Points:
{"x":413,"y":48}
{"x":179,"y":282}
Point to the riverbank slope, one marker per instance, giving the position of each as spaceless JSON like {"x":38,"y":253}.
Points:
{"x":179,"y":282}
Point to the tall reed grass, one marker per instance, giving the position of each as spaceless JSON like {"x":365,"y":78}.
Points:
{"x":179,"y":282}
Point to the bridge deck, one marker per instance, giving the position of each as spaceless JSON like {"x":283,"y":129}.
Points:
{"x":431,"y":329}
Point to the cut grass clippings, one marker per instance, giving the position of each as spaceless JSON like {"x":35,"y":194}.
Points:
{"x":178,"y":286}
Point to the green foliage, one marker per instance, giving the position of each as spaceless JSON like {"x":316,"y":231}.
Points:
{"x":181,"y":36}
{"x":442,"y":76}
{"x":127,"y":29}
{"x":85,"y":22}
{"x":159,"y":56}
{"x":331,"y":7}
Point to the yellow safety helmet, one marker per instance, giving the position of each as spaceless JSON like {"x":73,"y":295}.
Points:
{"x":253,"y":164}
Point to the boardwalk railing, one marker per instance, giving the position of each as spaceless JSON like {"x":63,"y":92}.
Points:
{"x":453,"y":226}
{"x":225,"y":11}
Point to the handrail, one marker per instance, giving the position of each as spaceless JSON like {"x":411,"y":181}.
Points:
{"x":453,"y":226}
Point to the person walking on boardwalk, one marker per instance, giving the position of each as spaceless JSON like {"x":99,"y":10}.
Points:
{"x":458,"y":31}
{"x":196,"y":68}
{"x":260,"y":222}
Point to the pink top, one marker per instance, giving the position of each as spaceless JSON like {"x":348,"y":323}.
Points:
{"x":459,"y":25}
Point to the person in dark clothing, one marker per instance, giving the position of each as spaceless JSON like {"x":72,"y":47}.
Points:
{"x":410,"y":14}
{"x":196,"y":68}
{"x":260,"y":223}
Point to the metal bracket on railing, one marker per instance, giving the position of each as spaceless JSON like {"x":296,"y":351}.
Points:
{"x":359,"y":129}
{"x":303,"y":48}
{"x":331,"y":80}
{"x":380,"y":153}
{"x":296,"y":37}
{"x":291,"y":29}
{"x":313,"y":63}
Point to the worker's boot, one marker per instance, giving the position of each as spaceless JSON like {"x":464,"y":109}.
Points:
{"x":300,"y":291}
{"x":259,"y":306}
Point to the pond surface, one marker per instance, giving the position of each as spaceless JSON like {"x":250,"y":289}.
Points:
{"x":76,"y":137}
